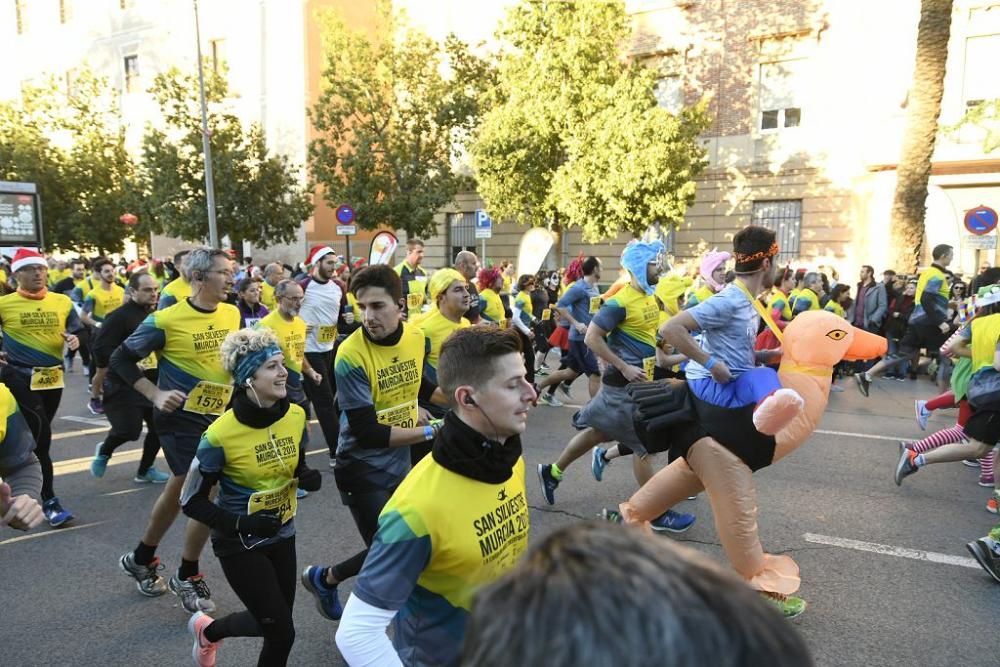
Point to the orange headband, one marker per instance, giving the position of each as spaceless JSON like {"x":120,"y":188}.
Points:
{"x":770,"y":252}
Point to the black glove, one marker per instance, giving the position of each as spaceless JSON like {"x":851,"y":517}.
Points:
{"x":310,"y":479}
{"x":259,"y":524}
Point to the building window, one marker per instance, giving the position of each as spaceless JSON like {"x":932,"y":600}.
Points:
{"x":217,"y":47}
{"x":20,"y":18}
{"x":131,"y":74}
{"x":784,"y":216}
{"x":780,"y":94}
{"x":461,"y":233}
{"x":64,"y":11}
{"x":980,"y":82}
{"x":669,"y":93}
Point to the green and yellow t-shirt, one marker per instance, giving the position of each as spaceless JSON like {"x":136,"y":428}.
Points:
{"x":985,"y":334}
{"x":778,"y":301}
{"x":491,"y":308}
{"x":386,"y":378}
{"x":631,"y":318}
{"x":700,"y":295}
{"x":186,"y":340}
{"x":933,"y":306}
{"x":100,"y":302}
{"x":176,"y":291}
{"x":257,"y":469}
{"x":806,"y":300}
{"x":16,"y":442}
{"x":414,"y":285}
{"x":523,"y":302}
{"x":835,"y":308}
{"x":436,"y":328}
{"x":33,"y":329}
{"x":267,"y":296}
{"x":440,"y":538}
{"x":292,"y":341}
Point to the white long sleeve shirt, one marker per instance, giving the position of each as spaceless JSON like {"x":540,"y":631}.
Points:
{"x":320,"y":311}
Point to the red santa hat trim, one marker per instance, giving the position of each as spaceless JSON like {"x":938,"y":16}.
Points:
{"x":318,"y":252}
{"x":25,"y":257}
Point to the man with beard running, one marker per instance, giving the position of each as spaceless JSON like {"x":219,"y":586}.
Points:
{"x":124,"y":407}
{"x":192,"y":390}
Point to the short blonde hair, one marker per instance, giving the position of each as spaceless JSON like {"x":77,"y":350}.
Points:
{"x":242,"y":342}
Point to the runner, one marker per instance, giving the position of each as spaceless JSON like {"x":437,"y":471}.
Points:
{"x":523,"y":319}
{"x":179,"y":288}
{"x":251,"y":309}
{"x":274,"y":273}
{"x":809,"y":296}
{"x":124,"y":407}
{"x":628,"y":321}
{"x":380,"y":379}
{"x":467,"y":264}
{"x":713,"y":273}
{"x":980,"y":341}
{"x":431,"y":554}
{"x":449,"y":293}
{"x":577,"y":306}
{"x":324,"y":299}
{"x":413,"y":276}
{"x":105,"y":297}
{"x":928,"y":326}
{"x":779,"y":303}
{"x":255,"y":452}
{"x":36,"y":325}
{"x":490,"y":306}
{"x":20,"y":471}
{"x":71,"y":287}
{"x":192,"y":390}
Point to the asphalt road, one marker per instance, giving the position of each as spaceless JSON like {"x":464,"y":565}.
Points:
{"x":63,"y":600}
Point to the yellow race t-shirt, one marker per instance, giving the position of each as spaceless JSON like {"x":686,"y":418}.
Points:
{"x":176,"y":291}
{"x":33,"y":328}
{"x":436,"y":328}
{"x":291,"y":340}
{"x":100,"y":302}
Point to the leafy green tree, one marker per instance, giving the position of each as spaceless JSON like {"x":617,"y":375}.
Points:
{"x":390,"y":123}
{"x":71,"y":144}
{"x":985,"y":117}
{"x":574,"y":136}
{"x":258,"y":196}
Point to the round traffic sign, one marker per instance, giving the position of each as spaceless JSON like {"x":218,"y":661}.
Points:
{"x":345,"y":214}
{"x":980,"y":220}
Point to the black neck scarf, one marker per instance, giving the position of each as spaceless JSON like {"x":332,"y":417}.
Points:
{"x":252,"y":415}
{"x":463,"y":450}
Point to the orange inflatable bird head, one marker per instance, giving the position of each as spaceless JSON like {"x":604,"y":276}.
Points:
{"x":819,"y":338}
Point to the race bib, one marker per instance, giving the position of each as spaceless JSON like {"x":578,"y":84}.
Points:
{"x":209,"y":398}
{"x":326,"y":334}
{"x":546,"y":314}
{"x":595,"y":304}
{"x":43,"y":378}
{"x":502,"y":324}
{"x":403,"y":415}
{"x":251,"y":322}
{"x":648,"y":366}
{"x":149,"y":363}
{"x":414,"y":301}
{"x":282,"y":501}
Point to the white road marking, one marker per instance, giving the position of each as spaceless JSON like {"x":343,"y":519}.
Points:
{"x":74,"y":434}
{"x":93,"y":421}
{"x":890,"y":550}
{"x":47,"y":533}
{"x":122,"y":493}
{"x":864,"y":436}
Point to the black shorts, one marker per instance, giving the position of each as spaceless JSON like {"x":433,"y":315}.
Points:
{"x":920,"y":337}
{"x":581,"y":358}
{"x":984,"y":426}
{"x":179,"y":438}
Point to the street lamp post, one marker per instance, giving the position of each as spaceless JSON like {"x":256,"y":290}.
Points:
{"x":213,"y":232}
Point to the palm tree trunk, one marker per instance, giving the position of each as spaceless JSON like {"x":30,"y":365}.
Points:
{"x":909,"y":204}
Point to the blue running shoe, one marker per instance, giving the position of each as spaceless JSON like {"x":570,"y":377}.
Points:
{"x":300,"y":494}
{"x":327,"y":600}
{"x":611,"y":516}
{"x":672,"y":522}
{"x":151,"y":476}
{"x":548,"y":482}
{"x":100,"y":463}
{"x":598,"y":463}
{"x":54,"y":513}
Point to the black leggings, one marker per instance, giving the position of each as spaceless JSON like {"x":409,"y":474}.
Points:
{"x":365,"y":508}
{"x":38,"y":408}
{"x":126,"y":425}
{"x":528,"y":352}
{"x":264,"y":579}
{"x":322,"y":397}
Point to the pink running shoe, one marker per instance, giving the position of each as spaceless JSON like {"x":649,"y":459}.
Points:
{"x":203,"y":651}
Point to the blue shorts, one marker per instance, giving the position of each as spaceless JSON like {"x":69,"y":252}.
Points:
{"x":581,"y":359}
{"x":749,"y":388}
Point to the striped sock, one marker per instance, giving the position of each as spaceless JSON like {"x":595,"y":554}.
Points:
{"x":935,"y":440}
{"x":986,"y":466}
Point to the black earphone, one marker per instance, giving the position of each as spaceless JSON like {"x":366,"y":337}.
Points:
{"x":470,"y":401}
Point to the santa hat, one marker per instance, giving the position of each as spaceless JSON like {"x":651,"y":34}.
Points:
{"x":318,"y":252}
{"x":25,"y":257}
